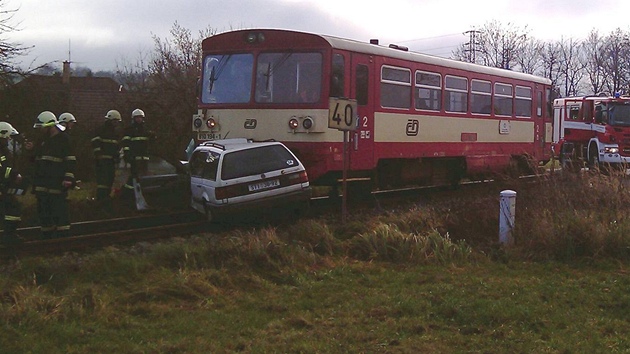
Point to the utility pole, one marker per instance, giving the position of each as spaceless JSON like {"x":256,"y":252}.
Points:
{"x":472,"y":45}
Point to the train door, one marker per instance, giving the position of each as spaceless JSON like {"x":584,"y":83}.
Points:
{"x":540,"y":130}
{"x":362,"y":139}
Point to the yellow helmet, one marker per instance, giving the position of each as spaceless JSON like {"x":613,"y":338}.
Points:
{"x":113,"y":115}
{"x":47,"y":119}
{"x":137,"y":112}
{"x":67,"y":118}
{"x":7,"y":130}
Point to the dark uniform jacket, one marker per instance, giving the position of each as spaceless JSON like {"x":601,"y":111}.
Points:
{"x":54,"y":163}
{"x":105,"y":142}
{"x":7,"y":172}
{"x":136,"y":143}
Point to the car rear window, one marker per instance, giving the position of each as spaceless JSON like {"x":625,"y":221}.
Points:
{"x":256,"y":161}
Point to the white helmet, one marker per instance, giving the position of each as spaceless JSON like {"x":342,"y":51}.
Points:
{"x":47,"y":119}
{"x":7,"y":130}
{"x":67,"y":118}
{"x":137,"y":112}
{"x":113,"y":115}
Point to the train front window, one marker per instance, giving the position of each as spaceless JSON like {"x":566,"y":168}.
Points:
{"x":289,"y":77}
{"x":227,"y":78}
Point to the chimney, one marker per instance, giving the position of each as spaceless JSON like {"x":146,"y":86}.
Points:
{"x":65,"y":76}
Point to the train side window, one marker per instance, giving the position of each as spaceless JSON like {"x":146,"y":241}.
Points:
{"x":539,"y":103}
{"x":428,"y":91}
{"x":503,"y":100}
{"x":523,"y":102}
{"x":337,"y":79}
{"x":362,"y":85}
{"x":456,"y":94}
{"x":395,"y":87}
{"x":481,"y":97}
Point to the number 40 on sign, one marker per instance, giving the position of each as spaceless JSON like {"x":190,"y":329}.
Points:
{"x":342,"y":114}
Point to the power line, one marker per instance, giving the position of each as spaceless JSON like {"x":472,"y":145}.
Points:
{"x":428,"y":38}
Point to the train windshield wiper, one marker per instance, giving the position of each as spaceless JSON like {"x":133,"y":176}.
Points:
{"x":276,"y":65}
{"x":214,"y":74}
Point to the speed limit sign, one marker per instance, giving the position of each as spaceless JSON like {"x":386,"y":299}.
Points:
{"x":342,"y":114}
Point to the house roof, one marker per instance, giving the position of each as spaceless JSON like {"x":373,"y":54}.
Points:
{"x":87,"y":83}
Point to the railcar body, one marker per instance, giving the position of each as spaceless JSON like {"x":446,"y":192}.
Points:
{"x":421,"y":119}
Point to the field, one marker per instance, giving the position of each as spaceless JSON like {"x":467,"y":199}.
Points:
{"x":429,"y":276}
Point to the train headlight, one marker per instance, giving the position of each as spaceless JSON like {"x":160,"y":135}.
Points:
{"x":197,"y":123}
{"x":307,"y":123}
{"x":293,"y":123}
{"x":211,"y":123}
{"x":251,"y":37}
{"x":611,"y":150}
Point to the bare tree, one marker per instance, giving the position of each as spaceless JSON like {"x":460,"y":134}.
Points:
{"x":9,"y":51}
{"x":571,"y":67}
{"x":551,"y":57}
{"x":594,"y":57}
{"x":495,"y":45}
{"x":616,"y":61}
{"x":164,"y":83}
{"x":529,"y":58}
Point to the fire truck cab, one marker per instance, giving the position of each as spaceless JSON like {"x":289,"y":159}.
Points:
{"x":592,"y":130}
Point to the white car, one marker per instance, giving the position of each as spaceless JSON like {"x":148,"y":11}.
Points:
{"x":236,"y":175}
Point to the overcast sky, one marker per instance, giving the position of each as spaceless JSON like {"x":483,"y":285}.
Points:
{"x":101,"y":33}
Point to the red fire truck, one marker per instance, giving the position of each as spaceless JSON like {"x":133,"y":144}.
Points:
{"x":593,"y":129}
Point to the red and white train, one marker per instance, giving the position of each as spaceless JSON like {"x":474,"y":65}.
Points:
{"x":421,"y":119}
{"x":592,"y":131}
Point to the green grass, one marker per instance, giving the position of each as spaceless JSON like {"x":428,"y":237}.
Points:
{"x":425,"y":277}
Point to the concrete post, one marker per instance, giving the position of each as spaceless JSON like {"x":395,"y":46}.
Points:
{"x":507,"y":211}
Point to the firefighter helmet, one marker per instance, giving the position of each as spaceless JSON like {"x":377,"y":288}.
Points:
{"x":113,"y":115}
{"x":7,"y":130}
{"x":47,"y":119}
{"x":67,"y":118}
{"x":137,"y":113}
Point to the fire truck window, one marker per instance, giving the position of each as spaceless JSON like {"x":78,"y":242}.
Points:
{"x":337,"y":80}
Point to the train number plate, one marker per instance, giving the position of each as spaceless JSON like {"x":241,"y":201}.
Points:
{"x":264,"y":185}
{"x":208,"y":136}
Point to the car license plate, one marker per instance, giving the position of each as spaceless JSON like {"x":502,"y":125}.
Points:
{"x":208,"y":136}
{"x":264,"y":185}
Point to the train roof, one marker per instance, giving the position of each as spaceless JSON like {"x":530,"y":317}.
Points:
{"x":379,"y":50}
{"x":375,"y":49}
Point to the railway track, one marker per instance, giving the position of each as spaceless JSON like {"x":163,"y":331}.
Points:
{"x":92,"y":235}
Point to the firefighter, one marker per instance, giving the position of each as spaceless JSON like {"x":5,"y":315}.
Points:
{"x":135,"y":150}
{"x":67,"y":120}
{"x":53,"y":175}
{"x":105,"y":146}
{"x":9,"y":183}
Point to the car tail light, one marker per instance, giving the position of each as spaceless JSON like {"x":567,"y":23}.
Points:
{"x":228,"y":192}
{"x":296,"y":178}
